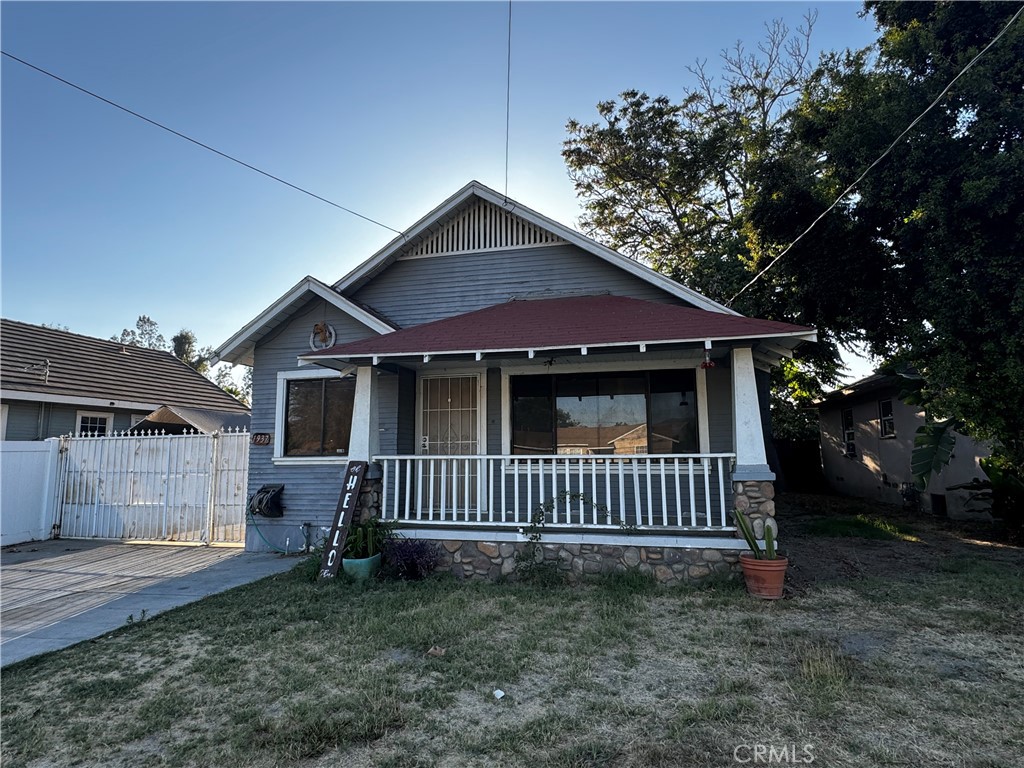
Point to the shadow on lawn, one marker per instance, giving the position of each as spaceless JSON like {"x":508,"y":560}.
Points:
{"x":833,"y":539}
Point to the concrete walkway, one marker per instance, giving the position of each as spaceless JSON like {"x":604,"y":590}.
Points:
{"x":57,"y":593}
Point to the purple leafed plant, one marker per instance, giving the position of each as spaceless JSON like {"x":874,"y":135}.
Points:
{"x":410,"y":559}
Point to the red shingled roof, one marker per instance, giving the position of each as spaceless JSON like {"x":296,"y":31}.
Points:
{"x":591,"y":321}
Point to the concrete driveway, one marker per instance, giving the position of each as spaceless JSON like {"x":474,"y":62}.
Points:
{"x":57,"y":593}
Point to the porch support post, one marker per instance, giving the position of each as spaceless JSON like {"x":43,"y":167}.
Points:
{"x":751,"y":463}
{"x":364,"y":441}
{"x":753,"y":490}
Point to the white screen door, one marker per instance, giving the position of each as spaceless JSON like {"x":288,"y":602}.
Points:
{"x":450,"y":426}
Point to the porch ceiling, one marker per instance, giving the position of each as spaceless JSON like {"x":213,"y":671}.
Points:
{"x":570,"y":323}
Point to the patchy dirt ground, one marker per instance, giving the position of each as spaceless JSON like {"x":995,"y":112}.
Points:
{"x":817,"y":559}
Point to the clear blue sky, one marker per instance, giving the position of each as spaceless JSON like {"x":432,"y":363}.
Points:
{"x":386,"y":108}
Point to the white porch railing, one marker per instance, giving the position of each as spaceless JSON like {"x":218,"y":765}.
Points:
{"x":688,"y":492}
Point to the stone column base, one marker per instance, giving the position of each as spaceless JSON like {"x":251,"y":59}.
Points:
{"x":755,"y":500}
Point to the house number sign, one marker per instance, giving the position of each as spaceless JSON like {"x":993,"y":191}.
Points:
{"x":335,"y":544}
{"x":260,"y":438}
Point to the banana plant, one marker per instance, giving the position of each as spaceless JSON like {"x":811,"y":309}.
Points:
{"x":933,"y":448}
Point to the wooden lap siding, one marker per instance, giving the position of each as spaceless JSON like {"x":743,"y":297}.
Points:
{"x":311,"y":490}
{"x":23,"y":419}
{"x":415,"y":291}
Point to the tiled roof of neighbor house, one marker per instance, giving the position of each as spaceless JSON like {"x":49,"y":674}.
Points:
{"x":83,"y":366}
{"x":591,"y":321}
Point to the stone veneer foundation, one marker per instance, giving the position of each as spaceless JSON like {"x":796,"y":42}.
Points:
{"x":668,"y":565}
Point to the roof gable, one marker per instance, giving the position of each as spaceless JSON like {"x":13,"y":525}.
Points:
{"x":462,"y":214}
{"x":239,"y":348}
{"x":41,"y":363}
{"x":479,"y":225}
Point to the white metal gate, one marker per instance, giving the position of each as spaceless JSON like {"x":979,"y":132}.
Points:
{"x":185,"y":489}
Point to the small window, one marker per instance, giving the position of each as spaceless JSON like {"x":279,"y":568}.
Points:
{"x":886,"y":424}
{"x":318,"y":416}
{"x":848,"y":433}
{"x":92,"y":424}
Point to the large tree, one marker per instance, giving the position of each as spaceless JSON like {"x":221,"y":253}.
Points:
{"x":946,"y":206}
{"x":185,"y":346}
{"x":707,"y":191}
{"x":145,"y":334}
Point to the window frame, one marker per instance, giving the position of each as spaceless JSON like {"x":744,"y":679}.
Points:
{"x":883,"y":433}
{"x":108,"y":430}
{"x":280,"y":415}
{"x":848,"y":434}
{"x":703,"y":431}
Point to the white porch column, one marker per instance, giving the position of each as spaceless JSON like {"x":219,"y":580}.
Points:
{"x":364,"y":441}
{"x":748,"y":438}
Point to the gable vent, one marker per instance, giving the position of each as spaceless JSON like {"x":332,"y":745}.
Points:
{"x":482,"y":227}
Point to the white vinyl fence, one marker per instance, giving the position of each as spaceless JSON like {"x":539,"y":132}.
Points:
{"x":28,"y":474}
{"x":187,"y":489}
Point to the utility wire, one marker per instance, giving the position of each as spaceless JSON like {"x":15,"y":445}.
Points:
{"x":881,"y":157}
{"x":197,"y":143}
{"x":508,"y":92}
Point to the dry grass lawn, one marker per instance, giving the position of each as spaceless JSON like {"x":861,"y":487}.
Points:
{"x":899,"y":651}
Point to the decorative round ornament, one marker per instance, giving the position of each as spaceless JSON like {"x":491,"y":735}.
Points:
{"x":322,"y":337}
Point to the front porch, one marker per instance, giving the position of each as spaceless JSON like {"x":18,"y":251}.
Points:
{"x":611,"y":453}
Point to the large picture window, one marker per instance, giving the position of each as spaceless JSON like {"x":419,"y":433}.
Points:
{"x":605,"y":413}
{"x":318,"y":416}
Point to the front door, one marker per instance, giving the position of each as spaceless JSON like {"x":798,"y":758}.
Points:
{"x":450,"y":426}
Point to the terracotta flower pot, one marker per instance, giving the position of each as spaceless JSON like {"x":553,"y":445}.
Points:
{"x":764,"y":577}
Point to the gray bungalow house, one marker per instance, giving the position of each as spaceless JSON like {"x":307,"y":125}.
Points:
{"x":489,"y":361}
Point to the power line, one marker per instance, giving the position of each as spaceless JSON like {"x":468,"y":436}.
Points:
{"x":881,"y":157}
{"x":197,"y":142}
{"x":508,"y":91}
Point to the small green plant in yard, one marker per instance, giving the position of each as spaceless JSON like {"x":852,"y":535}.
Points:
{"x":529,"y":561}
{"x":366,"y":539}
{"x":768,"y":553}
{"x":862,"y":526}
{"x":132,"y":620}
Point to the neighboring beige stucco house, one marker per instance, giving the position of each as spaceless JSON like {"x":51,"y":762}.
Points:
{"x":867,"y":438}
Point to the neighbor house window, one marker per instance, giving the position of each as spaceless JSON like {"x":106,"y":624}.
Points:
{"x":314,"y":415}
{"x":92,"y":424}
{"x":848,"y":433}
{"x":886,"y":424}
{"x":605,"y":413}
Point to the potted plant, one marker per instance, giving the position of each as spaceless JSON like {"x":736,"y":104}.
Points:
{"x":362,"y":555}
{"x":764,"y":570}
